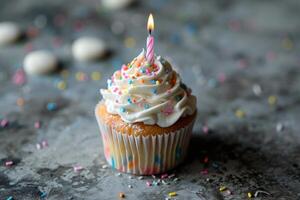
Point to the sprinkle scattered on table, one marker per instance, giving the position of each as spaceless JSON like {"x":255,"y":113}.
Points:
{"x":121,"y":195}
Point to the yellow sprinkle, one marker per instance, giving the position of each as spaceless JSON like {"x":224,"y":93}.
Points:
{"x":121,"y":195}
{"x":157,"y":82}
{"x":172,"y":194}
{"x":20,"y":102}
{"x":64,"y":73}
{"x":129,"y":42}
{"x":222,"y":188}
{"x":61,"y":85}
{"x":95,"y":76}
{"x":239,"y":113}
{"x":249,"y":195}
{"x":272,"y":100}
{"x":287,"y":43}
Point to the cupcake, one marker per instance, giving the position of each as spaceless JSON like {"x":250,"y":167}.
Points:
{"x":146,"y":117}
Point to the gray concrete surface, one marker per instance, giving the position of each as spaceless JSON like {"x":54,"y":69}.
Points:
{"x":243,"y":42}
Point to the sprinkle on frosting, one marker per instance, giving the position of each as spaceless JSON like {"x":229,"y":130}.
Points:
{"x":152,"y":94}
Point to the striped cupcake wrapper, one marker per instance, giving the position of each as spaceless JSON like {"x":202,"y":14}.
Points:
{"x":144,"y":155}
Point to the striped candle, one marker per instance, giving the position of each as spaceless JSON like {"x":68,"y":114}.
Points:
{"x":150,"y":41}
{"x":150,"y":49}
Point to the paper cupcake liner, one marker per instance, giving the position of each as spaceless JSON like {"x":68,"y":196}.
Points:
{"x":144,"y":155}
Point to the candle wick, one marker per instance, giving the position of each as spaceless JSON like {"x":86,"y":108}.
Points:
{"x":150,"y":31}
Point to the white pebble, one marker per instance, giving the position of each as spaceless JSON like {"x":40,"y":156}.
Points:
{"x":9,"y":33}
{"x":279,"y":127}
{"x":257,"y":89}
{"x":40,"y":62}
{"x":104,"y":166}
{"x":116,"y":4}
{"x":88,"y":49}
{"x":129,"y":186}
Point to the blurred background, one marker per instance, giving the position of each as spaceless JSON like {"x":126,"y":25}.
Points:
{"x":240,"y":58}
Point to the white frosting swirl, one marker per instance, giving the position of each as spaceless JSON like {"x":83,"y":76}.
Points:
{"x":149,"y":94}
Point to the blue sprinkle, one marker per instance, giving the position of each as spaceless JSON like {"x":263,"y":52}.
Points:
{"x":146,"y":106}
{"x":153,"y":81}
{"x":191,"y":28}
{"x":113,"y":163}
{"x":9,"y":198}
{"x":212,"y":83}
{"x":175,"y":38}
{"x":51,"y":106}
{"x":109,"y":82}
{"x":122,"y":109}
{"x":129,"y":100}
{"x":143,"y":71}
{"x":130,"y":81}
{"x":215,"y":165}
{"x":43,"y":194}
{"x":154,"y":91}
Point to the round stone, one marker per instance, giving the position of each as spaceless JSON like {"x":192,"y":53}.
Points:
{"x":88,"y":49}
{"x":9,"y":33}
{"x":40,"y":62}
{"x":116,"y":4}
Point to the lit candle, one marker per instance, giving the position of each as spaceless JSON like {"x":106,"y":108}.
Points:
{"x":150,"y":41}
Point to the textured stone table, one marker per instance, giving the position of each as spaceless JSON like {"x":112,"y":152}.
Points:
{"x":222,"y":49}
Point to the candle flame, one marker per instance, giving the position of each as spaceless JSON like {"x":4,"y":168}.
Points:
{"x":150,"y":25}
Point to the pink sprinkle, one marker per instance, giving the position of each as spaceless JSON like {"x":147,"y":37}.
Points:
{"x":204,"y":171}
{"x":37,"y":125}
{"x":205,"y":160}
{"x":163,"y":176}
{"x":270,"y":56}
{"x":148,"y":183}
{"x":124,"y":67}
{"x":222,"y":77}
{"x":9,"y":163}
{"x":242,"y":63}
{"x":120,"y":93}
{"x":168,"y":109}
{"x":77,"y":168}
{"x":171,"y":176}
{"x":44,"y":143}
{"x":4,"y":123}
{"x":205,"y":129}
{"x":115,"y":89}
{"x":148,"y":71}
{"x":19,"y":78}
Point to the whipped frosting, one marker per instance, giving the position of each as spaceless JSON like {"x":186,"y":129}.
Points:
{"x":152,"y":94}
